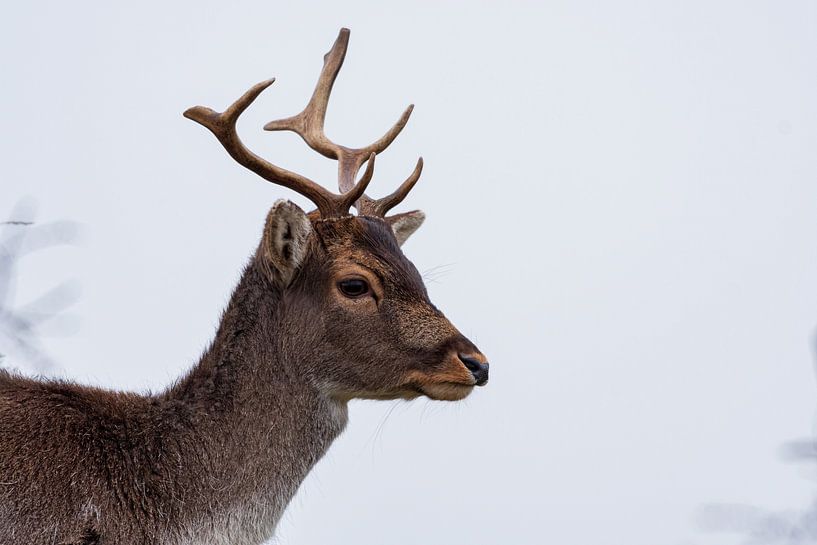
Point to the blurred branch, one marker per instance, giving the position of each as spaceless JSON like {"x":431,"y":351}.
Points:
{"x":19,"y":326}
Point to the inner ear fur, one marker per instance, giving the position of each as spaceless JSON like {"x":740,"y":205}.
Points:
{"x":404,"y":225}
{"x":285,"y":240}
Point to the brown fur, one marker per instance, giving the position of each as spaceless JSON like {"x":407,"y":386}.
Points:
{"x":218,"y":455}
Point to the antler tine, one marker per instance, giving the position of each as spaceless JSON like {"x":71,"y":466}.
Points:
{"x":309,"y":124}
{"x":379,"y":207}
{"x":223,"y":126}
{"x":357,"y":191}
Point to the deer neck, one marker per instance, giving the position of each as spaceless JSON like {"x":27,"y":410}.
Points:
{"x":256,"y":422}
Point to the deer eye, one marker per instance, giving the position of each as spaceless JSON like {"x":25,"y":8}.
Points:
{"x":353,"y":287}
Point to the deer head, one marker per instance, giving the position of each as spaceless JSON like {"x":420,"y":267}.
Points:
{"x":359,"y":305}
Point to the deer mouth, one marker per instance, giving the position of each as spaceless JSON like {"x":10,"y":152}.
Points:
{"x":445,"y":391}
{"x":443,"y":386}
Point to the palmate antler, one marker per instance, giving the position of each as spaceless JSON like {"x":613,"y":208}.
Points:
{"x":309,"y":125}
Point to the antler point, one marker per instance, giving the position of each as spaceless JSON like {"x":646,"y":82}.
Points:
{"x":198,"y":113}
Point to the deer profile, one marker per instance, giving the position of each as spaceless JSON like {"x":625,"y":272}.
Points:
{"x":327,"y":310}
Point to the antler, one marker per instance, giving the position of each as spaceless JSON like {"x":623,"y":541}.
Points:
{"x":309,"y":125}
{"x":222,"y":125}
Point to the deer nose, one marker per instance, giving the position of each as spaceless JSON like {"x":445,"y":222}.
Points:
{"x":478,"y":368}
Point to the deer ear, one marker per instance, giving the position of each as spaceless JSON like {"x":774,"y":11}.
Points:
{"x":284,"y":244}
{"x":405,"y":224}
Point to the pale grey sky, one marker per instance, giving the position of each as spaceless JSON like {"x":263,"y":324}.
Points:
{"x":622,"y":198}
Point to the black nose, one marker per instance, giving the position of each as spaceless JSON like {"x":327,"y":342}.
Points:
{"x":477,"y":368}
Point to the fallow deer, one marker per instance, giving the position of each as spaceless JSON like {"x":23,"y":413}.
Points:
{"x":328,"y":309}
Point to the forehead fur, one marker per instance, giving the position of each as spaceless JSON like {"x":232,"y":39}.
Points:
{"x":370,"y":242}
{"x":356,"y":231}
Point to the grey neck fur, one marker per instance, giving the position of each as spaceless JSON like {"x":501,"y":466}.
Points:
{"x":267,"y":422}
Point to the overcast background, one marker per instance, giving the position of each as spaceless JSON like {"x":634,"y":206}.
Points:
{"x":622,"y":213}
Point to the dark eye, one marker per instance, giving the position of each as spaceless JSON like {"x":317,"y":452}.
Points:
{"x":354,"y":287}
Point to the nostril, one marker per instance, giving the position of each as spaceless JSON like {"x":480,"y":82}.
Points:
{"x":471,"y":363}
{"x":477,"y":368}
